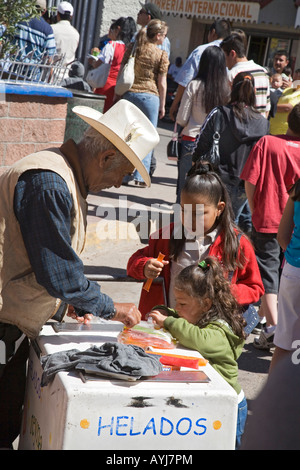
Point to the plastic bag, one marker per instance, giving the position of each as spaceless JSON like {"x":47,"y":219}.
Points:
{"x":145,"y":335}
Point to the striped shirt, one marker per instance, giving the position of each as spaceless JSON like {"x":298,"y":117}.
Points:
{"x":36,"y":35}
{"x":261,"y":80}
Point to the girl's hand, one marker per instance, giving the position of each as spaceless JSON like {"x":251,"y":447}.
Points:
{"x":158,"y":317}
{"x":153,"y":268}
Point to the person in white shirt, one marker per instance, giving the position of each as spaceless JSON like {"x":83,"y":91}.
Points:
{"x":66,"y":36}
{"x":236,"y":61}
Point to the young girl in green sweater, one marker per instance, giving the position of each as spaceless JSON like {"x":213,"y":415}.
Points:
{"x":207,"y":318}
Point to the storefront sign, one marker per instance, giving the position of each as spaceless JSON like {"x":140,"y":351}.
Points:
{"x":238,"y":11}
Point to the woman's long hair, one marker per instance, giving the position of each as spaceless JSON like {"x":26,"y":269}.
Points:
{"x":148,"y":34}
{"x":243,"y":96}
{"x":202,"y":180}
{"x":127,"y":29}
{"x":206,"y":280}
{"x":213,"y":74}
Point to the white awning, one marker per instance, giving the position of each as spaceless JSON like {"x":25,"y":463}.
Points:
{"x":234,"y":11}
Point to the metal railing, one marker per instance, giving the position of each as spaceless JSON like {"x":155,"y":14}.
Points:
{"x":24,"y":68}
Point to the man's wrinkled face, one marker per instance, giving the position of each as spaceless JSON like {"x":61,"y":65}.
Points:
{"x":114,"y":175}
{"x":108,"y":172}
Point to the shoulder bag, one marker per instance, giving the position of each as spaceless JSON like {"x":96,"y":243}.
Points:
{"x":125,"y":79}
{"x":213,"y":155}
{"x":174,"y":146}
{"x":97,"y":78}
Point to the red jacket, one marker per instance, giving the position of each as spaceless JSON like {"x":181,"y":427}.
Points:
{"x":247,"y":285}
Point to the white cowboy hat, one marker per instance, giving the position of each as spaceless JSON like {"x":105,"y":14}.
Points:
{"x":126,"y":127}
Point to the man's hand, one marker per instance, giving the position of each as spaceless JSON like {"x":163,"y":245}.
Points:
{"x":128,"y":314}
{"x":85,"y":320}
{"x":287,"y":83}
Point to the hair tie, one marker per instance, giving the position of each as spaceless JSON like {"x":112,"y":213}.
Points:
{"x":241,"y":81}
{"x":200,"y":169}
{"x":204,"y":266}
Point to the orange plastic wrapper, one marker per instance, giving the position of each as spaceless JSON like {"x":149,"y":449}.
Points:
{"x":148,"y":283}
{"x":145,"y":336}
{"x":180,"y":361}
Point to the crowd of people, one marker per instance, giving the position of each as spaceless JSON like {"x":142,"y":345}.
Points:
{"x":215,"y":271}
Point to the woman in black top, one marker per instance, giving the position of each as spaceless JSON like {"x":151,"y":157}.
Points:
{"x":241,"y":126}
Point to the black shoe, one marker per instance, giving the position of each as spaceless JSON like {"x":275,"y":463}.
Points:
{"x":141,"y":184}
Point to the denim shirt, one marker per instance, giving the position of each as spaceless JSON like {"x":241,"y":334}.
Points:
{"x":43,"y":206}
{"x":190,"y":68}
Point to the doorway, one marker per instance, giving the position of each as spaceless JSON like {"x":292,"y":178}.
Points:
{"x":257,"y":49}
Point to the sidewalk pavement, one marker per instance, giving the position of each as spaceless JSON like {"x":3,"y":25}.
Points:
{"x":108,"y":256}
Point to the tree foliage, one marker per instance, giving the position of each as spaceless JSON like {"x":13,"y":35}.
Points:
{"x":13,"y":12}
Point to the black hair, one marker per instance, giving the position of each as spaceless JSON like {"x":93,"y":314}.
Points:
{"x":206,"y":280}
{"x":202,"y":179}
{"x":295,"y":191}
{"x":282,"y":52}
{"x":127,"y":28}
{"x":213,"y":74}
{"x":65,"y":16}
{"x":294,"y":119}
{"x":287,"y":70}
{"x":234,"y":42}
{"x":222,"y":28}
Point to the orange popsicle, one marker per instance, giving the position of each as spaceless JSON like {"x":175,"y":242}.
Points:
{"x":148,"y":283}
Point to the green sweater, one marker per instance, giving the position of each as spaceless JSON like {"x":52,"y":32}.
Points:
{"x":216,"y":342}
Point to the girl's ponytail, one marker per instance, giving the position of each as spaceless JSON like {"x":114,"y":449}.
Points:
{"x":207,"y":280}
{"x":203,"y":179}
{"x":141,"y":38}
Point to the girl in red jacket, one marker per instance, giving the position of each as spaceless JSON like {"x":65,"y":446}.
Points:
{"x":206,"y":228}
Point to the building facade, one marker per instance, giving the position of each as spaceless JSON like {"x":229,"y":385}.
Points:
{"x":268,"y":24}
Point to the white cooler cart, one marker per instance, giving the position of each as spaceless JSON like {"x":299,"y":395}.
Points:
{"x":84,"y":412}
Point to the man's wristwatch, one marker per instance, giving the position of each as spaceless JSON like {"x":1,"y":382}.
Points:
{"x":110,"y":315}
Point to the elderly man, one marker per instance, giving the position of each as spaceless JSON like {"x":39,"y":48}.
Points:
{"x":42,"y":233}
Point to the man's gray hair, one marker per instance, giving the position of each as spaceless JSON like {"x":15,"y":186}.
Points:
{"x":93,"y":142}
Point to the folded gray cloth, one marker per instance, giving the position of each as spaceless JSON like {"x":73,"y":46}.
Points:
{"x":111,"y":357}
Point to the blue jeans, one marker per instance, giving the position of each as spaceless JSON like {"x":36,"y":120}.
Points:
{"x":184,"y":164}
{"x":240,"y":206}
{"x":241,"y":421}
{"x":149,"y":105}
